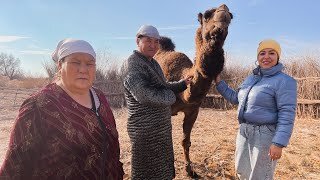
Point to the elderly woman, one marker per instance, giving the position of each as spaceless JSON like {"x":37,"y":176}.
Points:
{"x":67,"y":130}
{"x":267,"y":101}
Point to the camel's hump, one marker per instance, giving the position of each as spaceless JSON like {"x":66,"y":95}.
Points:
{"x":166,"y":44}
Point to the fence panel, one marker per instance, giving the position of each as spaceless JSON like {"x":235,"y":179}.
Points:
{"x":308,"y":96}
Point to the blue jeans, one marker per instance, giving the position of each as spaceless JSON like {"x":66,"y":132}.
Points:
{"x":252,"y":147}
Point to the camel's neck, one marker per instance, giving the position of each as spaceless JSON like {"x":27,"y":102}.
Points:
{"x":209,"y":58}
{"x":208,"y":64}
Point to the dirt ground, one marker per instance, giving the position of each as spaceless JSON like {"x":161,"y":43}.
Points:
{"x":213,"y":144}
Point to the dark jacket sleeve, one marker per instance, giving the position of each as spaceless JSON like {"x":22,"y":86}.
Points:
{"x":25,"y":144}
{"x":139,"y":87}
{"x":177,"y":86}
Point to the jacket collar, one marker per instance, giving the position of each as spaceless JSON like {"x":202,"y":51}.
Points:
{"x":138,"y":53}
{"x":269,"y":71}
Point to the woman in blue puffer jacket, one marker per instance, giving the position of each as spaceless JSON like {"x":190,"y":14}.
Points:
{"x":266,"y":111}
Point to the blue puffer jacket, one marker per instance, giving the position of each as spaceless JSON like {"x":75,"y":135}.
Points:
{"x":268,"y":96}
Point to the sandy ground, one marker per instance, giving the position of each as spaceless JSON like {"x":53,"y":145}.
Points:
{"x":213,"y":144}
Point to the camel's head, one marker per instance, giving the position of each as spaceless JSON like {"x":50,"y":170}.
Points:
{"x":214,"y":25}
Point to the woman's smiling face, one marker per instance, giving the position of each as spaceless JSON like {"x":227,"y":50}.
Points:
{"x":267,"y":58}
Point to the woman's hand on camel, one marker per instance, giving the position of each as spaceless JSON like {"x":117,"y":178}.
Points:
{"x":217,"y":79}
{"x":188,"y":79}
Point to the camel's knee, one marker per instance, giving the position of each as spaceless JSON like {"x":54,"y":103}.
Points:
{"x":186,"y":144}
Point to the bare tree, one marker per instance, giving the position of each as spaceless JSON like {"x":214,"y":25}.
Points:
{"x":51,"y":68}
{"x":10,"y":66}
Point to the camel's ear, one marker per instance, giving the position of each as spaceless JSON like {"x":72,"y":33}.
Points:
{"x":231,"y":15}
{"x":200,"y":18}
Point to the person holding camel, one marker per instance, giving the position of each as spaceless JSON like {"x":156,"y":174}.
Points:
{"x":149,"y":97}
{"x":267,"y":102}
{"x":67,"y":129}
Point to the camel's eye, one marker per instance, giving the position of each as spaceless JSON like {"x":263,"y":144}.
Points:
{"x":207,"y":14}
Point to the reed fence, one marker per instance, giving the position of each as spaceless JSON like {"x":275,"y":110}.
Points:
{"x":308,"y":96}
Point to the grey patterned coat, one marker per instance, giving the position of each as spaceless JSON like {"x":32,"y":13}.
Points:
{"x":149,"y":98}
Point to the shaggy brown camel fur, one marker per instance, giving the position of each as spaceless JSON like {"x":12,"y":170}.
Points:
{"x":209,"y":62}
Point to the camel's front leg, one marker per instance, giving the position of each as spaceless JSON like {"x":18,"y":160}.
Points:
{"x":189,"y":119}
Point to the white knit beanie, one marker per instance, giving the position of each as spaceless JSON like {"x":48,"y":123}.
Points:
{"x":149,"y":31}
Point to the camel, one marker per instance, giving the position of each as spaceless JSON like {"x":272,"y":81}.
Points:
{"x":209,"y":62}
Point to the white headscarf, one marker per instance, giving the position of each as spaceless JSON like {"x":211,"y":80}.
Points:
{"x":69,"y":46}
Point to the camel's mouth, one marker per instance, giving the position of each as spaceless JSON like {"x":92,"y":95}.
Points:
{"x":216,"y":37}
{"x":215,"y":23}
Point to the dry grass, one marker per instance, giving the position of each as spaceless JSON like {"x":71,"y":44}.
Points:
{"x":213,"y":143}
{"x":212,"y":148}
{"x":27,"y":83}
{"x":213,"y":136}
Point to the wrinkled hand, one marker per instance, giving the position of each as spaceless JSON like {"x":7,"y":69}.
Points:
{"x":188,"y":79}
{"x":275,"y":152}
